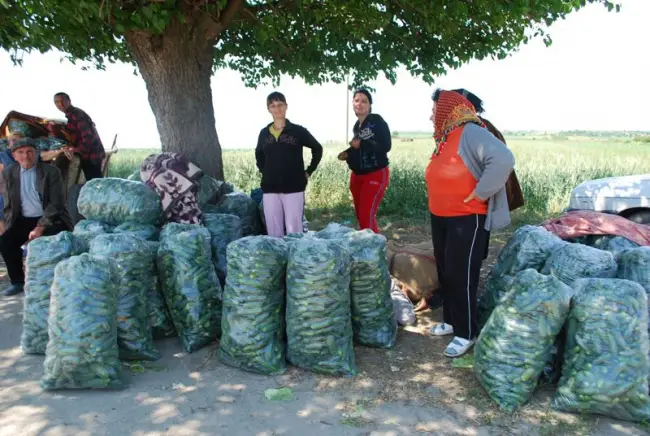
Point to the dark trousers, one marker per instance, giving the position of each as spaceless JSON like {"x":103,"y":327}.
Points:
{"x":11,"y":242}
{"x":92,"y":170}
{"x":459,"y":245}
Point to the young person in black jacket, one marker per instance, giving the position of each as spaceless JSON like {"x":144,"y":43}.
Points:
{"x":367,"y":157}
{"x":284,"y":177}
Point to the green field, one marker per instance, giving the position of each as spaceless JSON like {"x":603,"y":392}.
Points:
{"x":548,"y":169}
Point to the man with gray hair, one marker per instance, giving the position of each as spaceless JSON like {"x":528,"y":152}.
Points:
{"x":34,"y":207}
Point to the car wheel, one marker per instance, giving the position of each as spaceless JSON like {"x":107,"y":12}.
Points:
{"x":73,"y":211}
{"x":640,"y":217}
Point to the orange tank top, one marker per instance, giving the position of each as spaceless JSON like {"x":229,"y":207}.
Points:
{"x":449,"y":182}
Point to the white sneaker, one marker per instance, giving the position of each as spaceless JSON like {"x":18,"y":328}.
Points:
{"x":441,"y":329}
{"x":458,"y":346}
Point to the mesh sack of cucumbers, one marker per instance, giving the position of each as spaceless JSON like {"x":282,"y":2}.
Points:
{"x":576,"y":308}
{"x":287,"y":300}
{"x":124,"y":260}
{"x":336,"y":290}
{"x":190,"y":285}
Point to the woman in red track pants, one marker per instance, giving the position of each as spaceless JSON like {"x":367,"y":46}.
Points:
{"x":367,"y":157}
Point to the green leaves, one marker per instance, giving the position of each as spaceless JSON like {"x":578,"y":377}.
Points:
{"x":317,"y":40}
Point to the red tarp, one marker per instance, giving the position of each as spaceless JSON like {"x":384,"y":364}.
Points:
{"x":584,"y":222}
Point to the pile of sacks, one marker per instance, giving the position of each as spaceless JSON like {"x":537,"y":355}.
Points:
{"x":581,"y":310}
{"x":306,"y":299}
{"x":121,"y":279}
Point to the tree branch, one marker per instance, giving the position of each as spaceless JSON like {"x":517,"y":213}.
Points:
{"x":272,"y":6}
{"x":225,"y":18}
{"x":256,"y":18}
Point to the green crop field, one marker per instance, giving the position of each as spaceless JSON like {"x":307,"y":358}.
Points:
{"x":548,"y":169}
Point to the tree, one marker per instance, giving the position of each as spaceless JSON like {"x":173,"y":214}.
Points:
{"x":177,"y":44}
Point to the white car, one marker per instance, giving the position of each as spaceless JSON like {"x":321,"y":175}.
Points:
{"x":627,"y":196}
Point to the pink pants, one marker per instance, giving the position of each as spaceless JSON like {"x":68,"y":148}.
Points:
{"x":283,"y":213}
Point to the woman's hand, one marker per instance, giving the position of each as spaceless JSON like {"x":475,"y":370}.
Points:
{"x":343,"y":155}
{"x":473,"y":196}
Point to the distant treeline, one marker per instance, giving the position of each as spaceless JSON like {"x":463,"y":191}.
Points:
{"x":587,"y":133}
{"x":636,"y":134}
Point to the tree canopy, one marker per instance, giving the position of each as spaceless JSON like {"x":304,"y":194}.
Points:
{"x":177,"y":44}
{"x":316,"y":40}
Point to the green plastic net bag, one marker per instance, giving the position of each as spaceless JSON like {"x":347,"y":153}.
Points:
{"x":606,"y":358}
{"x":159,"y":316}
{"x":634,"y":265}
{"x":223,"y":228}
{"x":373,"y":312}
{"x":117,"y":201}
{"x":517,"y":341}
{"x":243,"y":206}
{"x":576,"y":261}
{"x":43,"y":255}
{"x":148,"y":232}
{"x":176,"y":228}
{"x":496,"y":287}
{"x":82,"y":350}
{"x":334,"y":231}
{"x":615,"y":244}
{"x":528,"y":247}
{"x":190,"y":284}
{"x":86,"y":230}
{"x":208,"y":190}
{"x":253,"y":305}
{"x":135,"y":260}
{"x":319,"y":321}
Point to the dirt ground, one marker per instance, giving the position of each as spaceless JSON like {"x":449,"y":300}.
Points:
{"x":412,"y":389}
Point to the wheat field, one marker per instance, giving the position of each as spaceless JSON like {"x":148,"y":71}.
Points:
{"x":548,"y":169}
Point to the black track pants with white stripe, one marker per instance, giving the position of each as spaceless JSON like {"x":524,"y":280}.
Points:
{"x":459,"y":245}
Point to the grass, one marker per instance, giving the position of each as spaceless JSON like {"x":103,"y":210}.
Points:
{"x":548,"y":169}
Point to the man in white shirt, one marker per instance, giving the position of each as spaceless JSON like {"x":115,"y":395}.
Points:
{"x":34,"y":206}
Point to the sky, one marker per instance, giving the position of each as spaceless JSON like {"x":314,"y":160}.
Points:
{"x":595,"y":76}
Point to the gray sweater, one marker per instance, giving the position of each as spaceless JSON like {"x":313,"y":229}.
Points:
{"x":490,"y":162}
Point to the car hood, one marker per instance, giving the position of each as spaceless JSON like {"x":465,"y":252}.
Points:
{"x":625,"y":186}
{"x":612,"y":194}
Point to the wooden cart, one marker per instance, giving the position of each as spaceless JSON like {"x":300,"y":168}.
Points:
{"x":73,"y":176}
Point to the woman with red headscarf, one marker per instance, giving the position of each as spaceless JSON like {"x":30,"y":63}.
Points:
{"x":465,"y":180}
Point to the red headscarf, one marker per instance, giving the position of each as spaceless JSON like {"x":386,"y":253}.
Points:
{"x":452,"y":111}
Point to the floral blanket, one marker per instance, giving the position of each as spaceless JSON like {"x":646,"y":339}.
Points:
{"x":175,"y":179}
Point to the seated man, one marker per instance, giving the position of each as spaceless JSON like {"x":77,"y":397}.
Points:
{"x":34,"y":206}
{"x":7,"y":159}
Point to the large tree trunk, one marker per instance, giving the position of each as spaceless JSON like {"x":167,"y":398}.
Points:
{"x":177,"y":67}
